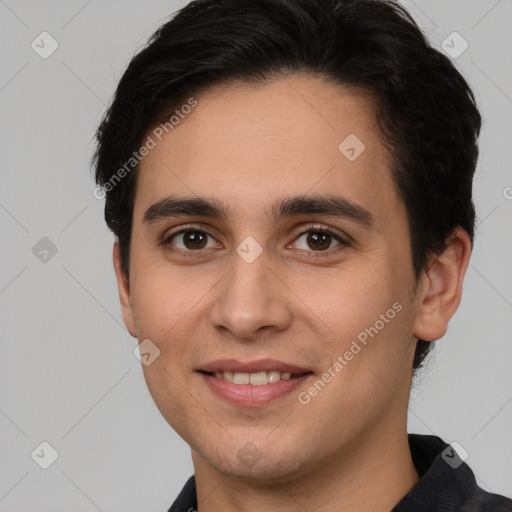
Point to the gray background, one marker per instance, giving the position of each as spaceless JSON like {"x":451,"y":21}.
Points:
{"x":68,"y":374}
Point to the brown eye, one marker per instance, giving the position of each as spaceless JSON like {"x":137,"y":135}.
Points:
{"x":315,"y":240}
{"x":196,"y":239}
{"x":190,"y":239}
{"x":318,"y":240}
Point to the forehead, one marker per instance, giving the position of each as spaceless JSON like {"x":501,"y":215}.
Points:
{"x":289,"y":137}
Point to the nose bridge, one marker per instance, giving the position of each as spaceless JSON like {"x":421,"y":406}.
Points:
{"x":251,"y":297}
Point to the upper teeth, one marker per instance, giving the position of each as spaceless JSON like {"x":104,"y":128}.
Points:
{"x":257,"y":379}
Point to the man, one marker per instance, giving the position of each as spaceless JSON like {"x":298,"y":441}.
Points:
{"x":289,"y":183}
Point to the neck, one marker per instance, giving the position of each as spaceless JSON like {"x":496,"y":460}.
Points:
{"x":370,"y":476}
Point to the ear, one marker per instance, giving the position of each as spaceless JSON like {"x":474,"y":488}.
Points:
{"x":441,"y":287}
{"x":123,"y":286}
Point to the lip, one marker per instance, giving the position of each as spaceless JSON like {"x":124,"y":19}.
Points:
{"x":260,"y":365}
{"x":249,"y":395}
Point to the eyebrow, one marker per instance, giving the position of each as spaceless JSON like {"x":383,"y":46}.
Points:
{"x":335,"y":206}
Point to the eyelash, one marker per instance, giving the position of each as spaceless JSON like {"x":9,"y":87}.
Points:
{"x":166,"y":242}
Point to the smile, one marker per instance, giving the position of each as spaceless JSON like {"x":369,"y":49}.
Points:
{"x":256,"y":379}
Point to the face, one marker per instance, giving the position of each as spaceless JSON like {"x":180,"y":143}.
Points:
{"x":320,"y":288}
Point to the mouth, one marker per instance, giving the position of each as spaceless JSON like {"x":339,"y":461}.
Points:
{"x":253,"y":383}
{"x":256,"y":378}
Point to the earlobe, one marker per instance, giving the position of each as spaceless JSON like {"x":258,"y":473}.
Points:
{"x":123,"y":287}
{"x":441,"y":288}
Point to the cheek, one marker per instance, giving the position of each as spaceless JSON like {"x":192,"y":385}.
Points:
{"x":365,"y":322}
{"x":348,"y":302}
{"x":170,"y":395}
{"x":161,"y":299}
{"x":168,"y":308}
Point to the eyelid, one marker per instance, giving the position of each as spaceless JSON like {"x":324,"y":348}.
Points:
{"x":185,"y":227}
{"x":168,"y":235}
{"x":324,"y":228}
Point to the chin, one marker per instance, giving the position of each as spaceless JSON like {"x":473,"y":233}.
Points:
{"x":265,"y":464}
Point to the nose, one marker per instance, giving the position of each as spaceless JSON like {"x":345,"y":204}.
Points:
{"x":252,"y":299}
